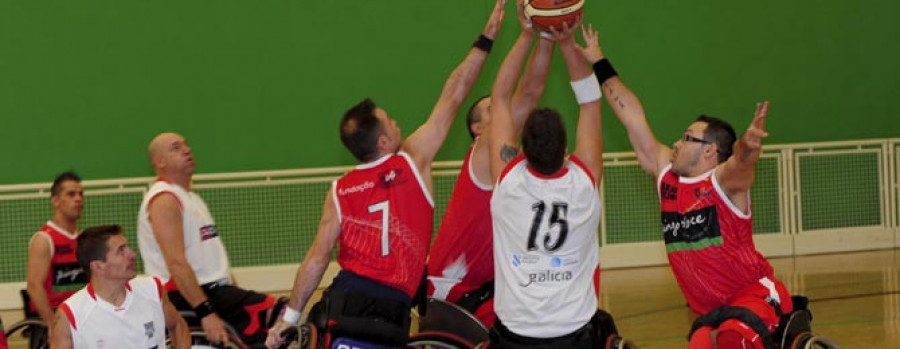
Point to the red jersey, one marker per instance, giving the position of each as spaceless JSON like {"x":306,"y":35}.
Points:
{"x":65,"y":276}
{"x":709,"y":241}
{"x":462,"y":258}
{"x":386,"y":215}
{"x":3,"y":342}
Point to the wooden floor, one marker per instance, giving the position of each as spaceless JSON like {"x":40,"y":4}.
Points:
{"x":855,"y":300}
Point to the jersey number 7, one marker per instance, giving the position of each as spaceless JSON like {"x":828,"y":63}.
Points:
{"x":385,"y":209}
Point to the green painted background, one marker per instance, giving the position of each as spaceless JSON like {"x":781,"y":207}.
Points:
{"x":259,"y":85}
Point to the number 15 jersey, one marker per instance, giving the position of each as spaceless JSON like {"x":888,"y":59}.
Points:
{"x":387,"y":218}
{"x":546,"y":252}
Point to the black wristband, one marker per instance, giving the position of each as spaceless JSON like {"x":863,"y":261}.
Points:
{"x":204,"y":309}
{"x":604,"y":70}
{"x":483,"y":43}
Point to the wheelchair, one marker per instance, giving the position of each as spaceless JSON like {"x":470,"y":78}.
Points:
{"x":795,"y":330}
{"x":447,"y":325}
{"x":235,"y":339}
{"x":32,"y":327}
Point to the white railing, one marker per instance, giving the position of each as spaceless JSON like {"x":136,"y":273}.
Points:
{"x":790,"y":178}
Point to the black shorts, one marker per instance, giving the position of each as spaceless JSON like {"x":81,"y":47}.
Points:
{"x":244,"y":310}
{"x":591,"y":335}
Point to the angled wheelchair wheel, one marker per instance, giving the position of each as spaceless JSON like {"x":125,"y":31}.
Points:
{"x":439,"y":340}
{"x":32,"y":328}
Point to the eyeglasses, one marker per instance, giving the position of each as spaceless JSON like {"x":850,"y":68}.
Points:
{"x":688,"y":138}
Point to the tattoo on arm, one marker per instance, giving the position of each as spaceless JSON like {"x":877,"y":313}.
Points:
{"x":508,"y":152}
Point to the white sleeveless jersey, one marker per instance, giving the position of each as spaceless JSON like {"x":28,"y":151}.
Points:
{"x":546,"y":252}
{"x":202,"y":246}
{"x":138,"y":323}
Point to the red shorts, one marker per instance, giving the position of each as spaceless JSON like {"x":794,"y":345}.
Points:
{"x":733,"y":333}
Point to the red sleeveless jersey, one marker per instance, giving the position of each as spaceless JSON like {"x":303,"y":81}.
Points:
{"x":709,"y":241}
{"x":463,"y":249}
{"x":386,"y":216}
{"x":65,"y":276}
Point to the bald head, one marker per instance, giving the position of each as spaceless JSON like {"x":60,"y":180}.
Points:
{"x":169,"y":152}
{"x":158,"y":144}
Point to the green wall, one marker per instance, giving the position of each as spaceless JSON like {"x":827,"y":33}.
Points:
{"x":260,"y":85}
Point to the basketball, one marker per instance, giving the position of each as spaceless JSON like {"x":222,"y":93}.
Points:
{"x":546,"y":13}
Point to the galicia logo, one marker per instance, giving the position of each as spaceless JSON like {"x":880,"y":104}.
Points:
{"x":516,"y":260}
{"x":548,"y":276}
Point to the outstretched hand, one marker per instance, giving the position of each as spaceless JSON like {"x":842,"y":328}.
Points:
{"x":591,"y":50}
{"x":493,"y":24}
{"x":564,"y":34}
{"x":754,"y":135}
{"x":524,"y":21}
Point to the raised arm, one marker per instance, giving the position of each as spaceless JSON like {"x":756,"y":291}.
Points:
{"x":310,"y":272}
{"x":37,"y":268}
{"x":531,"y":85}
{"x":166,"y":220}
{"x":589,"y":135}
{"x":502,"y":143}
{"x":423,"y":144}
{"x":736,"y":174}
{"x":651,"y":154}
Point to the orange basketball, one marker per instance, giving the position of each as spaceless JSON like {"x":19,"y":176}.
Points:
{"x":546,"y":13}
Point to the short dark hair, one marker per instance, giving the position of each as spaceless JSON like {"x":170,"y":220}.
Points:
{"x":92,"y":244}
{"x":544,"y":141}
{"x":474,"y":115}
{"x":721,"y":133}
{"x":360,"y":130}
{"x":62,"y":177}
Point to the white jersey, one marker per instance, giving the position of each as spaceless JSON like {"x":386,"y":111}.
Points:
{"x":202,"y":246}
{"x":546,"y":251}
{"x":137,"y":323}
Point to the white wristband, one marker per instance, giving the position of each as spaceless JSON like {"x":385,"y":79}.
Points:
{"x":587,"y":90}
{"x":291,"y":316}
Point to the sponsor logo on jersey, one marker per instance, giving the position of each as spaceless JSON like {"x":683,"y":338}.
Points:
{"x":392,"y":177}
{"x":702,"y":192}
{"x":359,"y":188}
{"x":668,"y":192}
{"x":548,"y":276}
{"x":208,"y":232}
{"x":693,"y":230}
{"x":149,"y":329}
{"x":63,"y":249}
{"x":69,"y":273}
{"x":517,"y":260}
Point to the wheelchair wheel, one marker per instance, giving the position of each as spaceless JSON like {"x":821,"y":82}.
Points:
{"x":32,"y":328}
{"x":439,"y":339}
{"x":198,"y":341}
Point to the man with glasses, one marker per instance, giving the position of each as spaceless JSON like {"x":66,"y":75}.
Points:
{"x":703,"y":186}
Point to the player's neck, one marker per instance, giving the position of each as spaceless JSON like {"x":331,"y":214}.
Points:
{"x":111,"y":291}
{"x":69,"y":225}
{"x":180,"y":180}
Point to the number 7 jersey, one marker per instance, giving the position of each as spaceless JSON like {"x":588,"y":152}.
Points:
{"x":386,"y":215}
{"x":546,"y":251}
